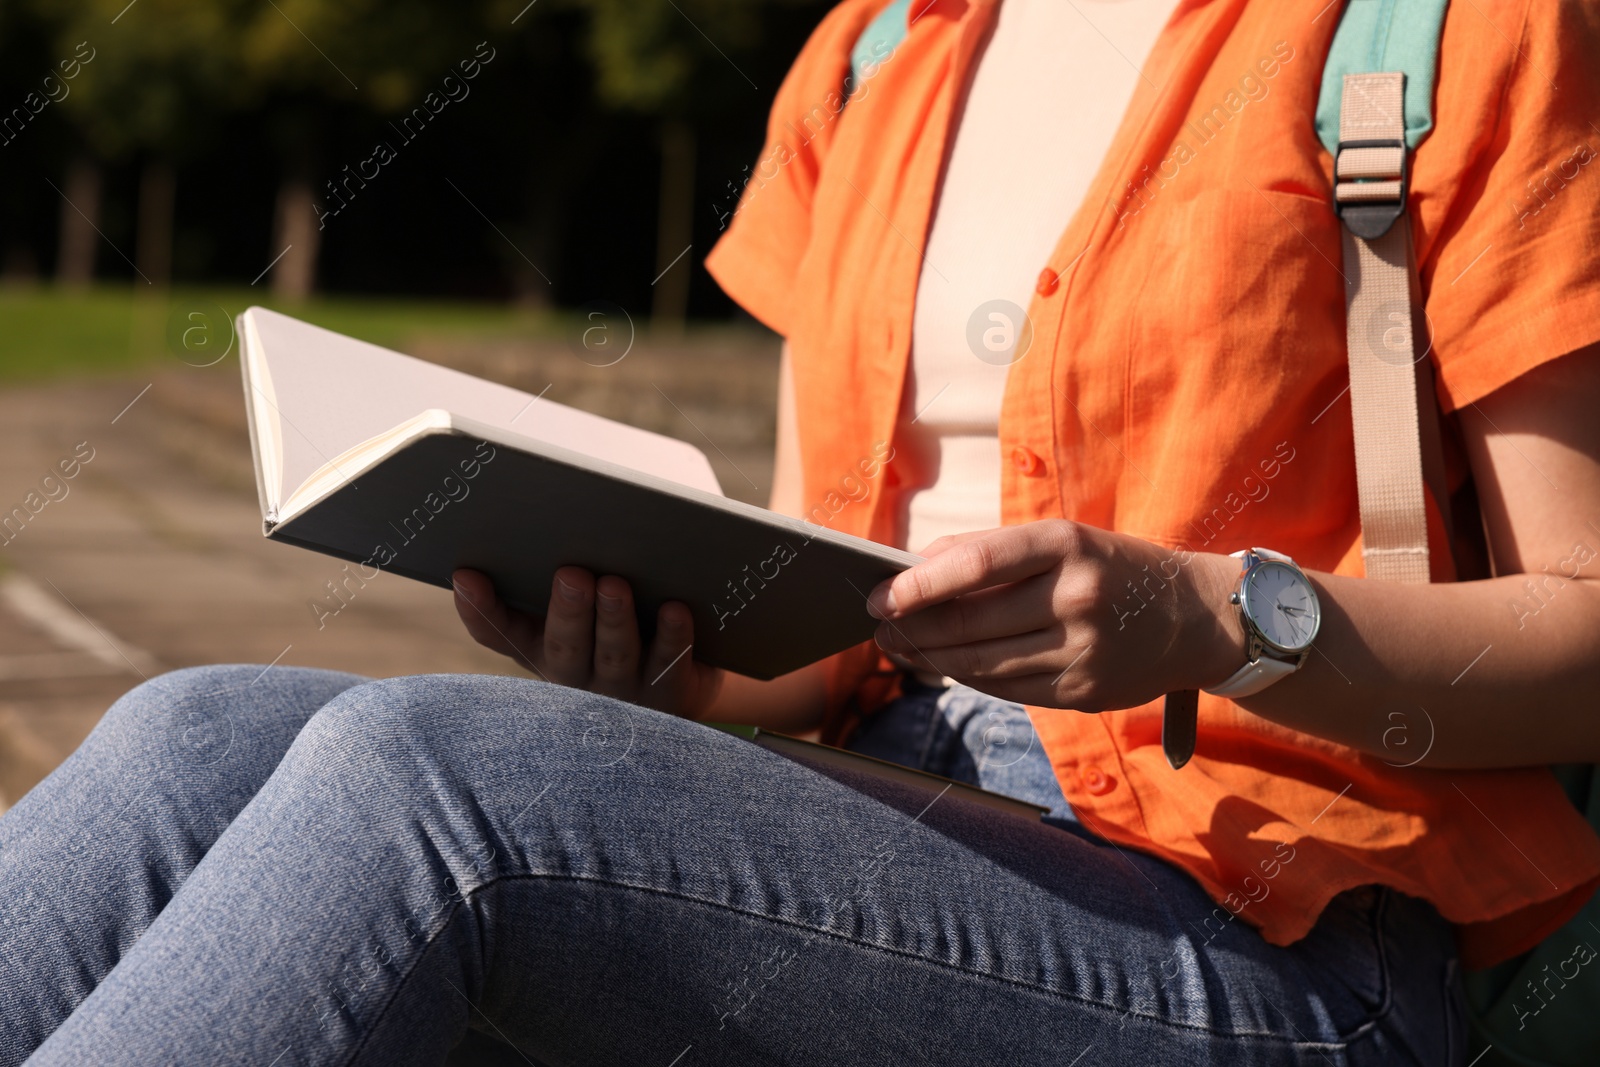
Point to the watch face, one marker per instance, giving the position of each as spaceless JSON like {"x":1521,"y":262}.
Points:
{"x":1282,"y":604}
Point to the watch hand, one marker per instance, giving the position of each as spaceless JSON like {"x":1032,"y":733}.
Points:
{"x":1293,"y":615}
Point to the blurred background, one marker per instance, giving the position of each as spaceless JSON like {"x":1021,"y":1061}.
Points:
{"x":523,"y":190}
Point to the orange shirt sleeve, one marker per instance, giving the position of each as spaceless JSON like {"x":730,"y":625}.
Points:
{"x":759,"y":254}
{"x":1508,"y":193}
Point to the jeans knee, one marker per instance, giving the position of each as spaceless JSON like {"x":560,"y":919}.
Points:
{"x":415,"y":711}
{"x":180,"y":710}
{"x":186,"y":684}
{"x":433,"y":725}
{"x":196,"y":714}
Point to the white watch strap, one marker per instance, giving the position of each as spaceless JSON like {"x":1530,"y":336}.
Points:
{"x":1264,"y":553}
{"x":1252,"y":678}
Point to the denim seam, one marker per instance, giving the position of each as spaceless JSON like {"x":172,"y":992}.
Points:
{"x":1243,"y":1035}
{"x":936,"y":722}
{"x":928,"y":738}
{"x":377,"y":1020}
{"x":1386,"y":1004}
{"x":1452,"y":1019}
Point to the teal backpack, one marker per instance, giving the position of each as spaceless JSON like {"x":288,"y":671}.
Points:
{"x":1541,"y":1009}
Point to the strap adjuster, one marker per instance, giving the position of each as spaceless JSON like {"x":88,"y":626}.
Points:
{"x":1370,"y":181}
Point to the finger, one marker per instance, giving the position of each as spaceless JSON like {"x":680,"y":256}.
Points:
{"x":668,"y":673}
{"x":616,"y":640}
{"x":568,"y":644}
{"x":1004,"y":611}
{"x":490,"y":622}
{"x":981,"y":662}
{"x":904,"y":662}
{"x":1007,"y":555}
{"x":949,"y":541}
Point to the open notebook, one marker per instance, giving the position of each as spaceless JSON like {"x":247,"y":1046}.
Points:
{"x":401,"y":465}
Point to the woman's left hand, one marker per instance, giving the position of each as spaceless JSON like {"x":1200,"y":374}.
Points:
{"x":1064,"y":615}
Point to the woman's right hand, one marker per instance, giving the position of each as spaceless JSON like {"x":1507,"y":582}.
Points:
{"x":589,"y":639}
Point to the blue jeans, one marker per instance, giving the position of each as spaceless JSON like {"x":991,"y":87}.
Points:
{"x":302,"y":867}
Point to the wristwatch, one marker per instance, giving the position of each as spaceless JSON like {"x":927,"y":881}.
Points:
{"x":1279,"y":610}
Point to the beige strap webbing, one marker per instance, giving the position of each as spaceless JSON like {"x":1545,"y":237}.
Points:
{"x":1382,"y":301}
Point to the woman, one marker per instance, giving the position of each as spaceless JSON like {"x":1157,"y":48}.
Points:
{"x":303,"y":867}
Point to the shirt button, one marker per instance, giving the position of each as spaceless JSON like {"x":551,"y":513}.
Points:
{"x":1096,"y":781}
{"x":1049,"y":282}
{"x":1026,"y":461}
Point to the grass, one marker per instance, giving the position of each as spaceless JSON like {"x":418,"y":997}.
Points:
{"x":47,"y":332}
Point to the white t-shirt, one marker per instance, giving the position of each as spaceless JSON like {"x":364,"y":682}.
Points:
{"x":1068,"y":67}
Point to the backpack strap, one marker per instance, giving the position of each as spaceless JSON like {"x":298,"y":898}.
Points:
{"x":1384,"y":35}
{"x":881,"y":37}
{"x":1383,"y":60}
{"x":1376,"y":105}
{"x":1382,"y":307}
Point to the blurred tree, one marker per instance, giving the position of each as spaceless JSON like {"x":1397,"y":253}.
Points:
{"x":21,"y":68}
{"x":78,"y":242}
{"x":304,"y":60}
{"x":648,"y":55}
{"x":148,"y":81}
{"x":182,"y":88}
{"x":165,"y":71}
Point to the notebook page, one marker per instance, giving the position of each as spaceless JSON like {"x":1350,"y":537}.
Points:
{"x":330,"y":393}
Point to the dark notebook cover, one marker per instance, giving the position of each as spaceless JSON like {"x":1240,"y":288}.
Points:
{"x":769,"y":594}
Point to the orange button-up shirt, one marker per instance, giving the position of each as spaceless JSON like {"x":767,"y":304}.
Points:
{"x":1186,"y":383}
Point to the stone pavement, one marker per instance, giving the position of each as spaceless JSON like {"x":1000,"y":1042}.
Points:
{"x":151,"y":556}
